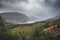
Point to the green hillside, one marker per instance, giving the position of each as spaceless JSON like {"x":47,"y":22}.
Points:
{"x":36,"y":31}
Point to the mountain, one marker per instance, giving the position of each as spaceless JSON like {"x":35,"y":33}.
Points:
{"x":53,"y":19}
{"x":33,"y":18}
{"x":14,"y":17}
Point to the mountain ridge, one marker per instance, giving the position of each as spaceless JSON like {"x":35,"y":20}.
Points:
{"x":14,"y":17}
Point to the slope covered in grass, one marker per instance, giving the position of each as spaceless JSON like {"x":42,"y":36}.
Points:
{"x":39,"y":30}
{"x":36,"y":31}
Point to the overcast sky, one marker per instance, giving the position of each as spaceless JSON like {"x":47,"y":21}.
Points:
{"x":39,"y":9}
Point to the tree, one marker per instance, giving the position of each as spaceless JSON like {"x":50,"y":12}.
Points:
{"x":2,"y":25}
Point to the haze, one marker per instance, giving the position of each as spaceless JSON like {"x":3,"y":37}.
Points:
{"x":38,"y":9}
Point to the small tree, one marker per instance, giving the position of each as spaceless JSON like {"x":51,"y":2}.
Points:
{"x":2,"y":25}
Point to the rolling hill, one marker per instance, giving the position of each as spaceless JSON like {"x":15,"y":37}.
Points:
{"x":14,"y":17}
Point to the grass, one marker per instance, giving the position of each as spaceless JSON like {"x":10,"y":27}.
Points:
{"x":35,"y":32}
{"x":21,"y":29}
{"x":28,"y":32}
{"x":26,"y":28}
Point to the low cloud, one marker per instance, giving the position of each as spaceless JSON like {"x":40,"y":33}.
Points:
{"x":40,"y":9}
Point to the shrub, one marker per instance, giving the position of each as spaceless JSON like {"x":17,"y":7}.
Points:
{"x":38,"y":34}
{"x":5,"y":33}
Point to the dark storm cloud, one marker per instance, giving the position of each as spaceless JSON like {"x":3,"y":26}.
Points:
{"x":1,"y":5}
{"x":9,"y":3}
{"x":57,"y":3}
{"x":38,"y":8}
{"x":12,"y":1}
{"x":53,"y":3}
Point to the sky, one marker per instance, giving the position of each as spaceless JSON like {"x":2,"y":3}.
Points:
{"x":35,"y":9}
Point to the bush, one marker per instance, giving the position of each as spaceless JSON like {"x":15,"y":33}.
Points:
{"x":38,"y":34}
{"x":9,"y":36}
{"x":5,"y":33}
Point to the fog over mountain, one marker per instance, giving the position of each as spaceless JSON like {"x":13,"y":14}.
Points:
{"x":14,"y":17}
{"x":37,"y":9}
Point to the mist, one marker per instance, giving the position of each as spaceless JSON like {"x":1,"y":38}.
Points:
{"x":38,"y":9}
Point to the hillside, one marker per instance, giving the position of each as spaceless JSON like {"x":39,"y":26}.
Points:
{"x":14,"y":17}
{"x":26,"y":27}
{"x":36,"y":31}
{"x":53,"y":19}
{"x":47,"y":27}
{"x":54,"y":27}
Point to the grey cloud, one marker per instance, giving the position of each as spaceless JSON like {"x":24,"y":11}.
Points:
{"x":57,"y":4}
{"x":12,"y":1}
{"x":41,"y":9}
{"x":53,"y":3}
{"x":1,"y":5}
{"x":9,"y":3}
{"x":53,"y":6}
